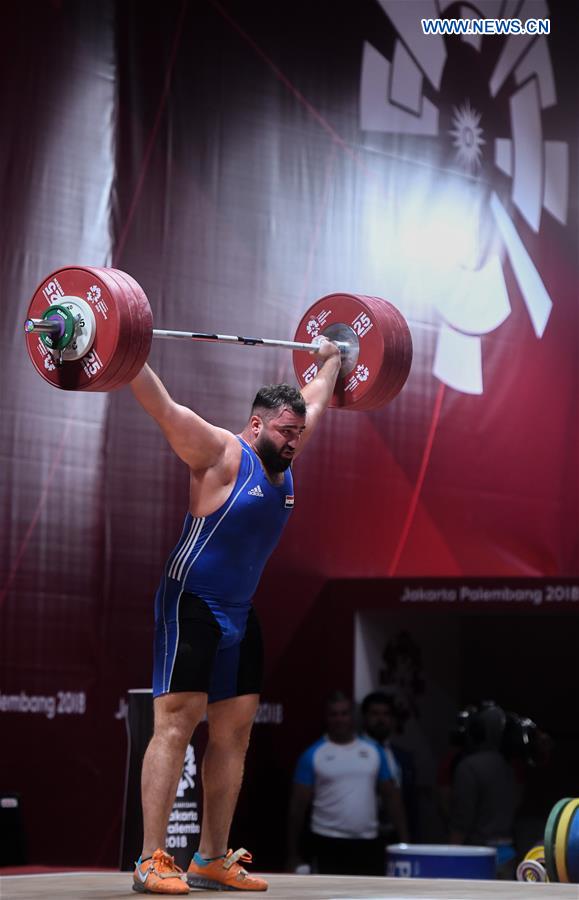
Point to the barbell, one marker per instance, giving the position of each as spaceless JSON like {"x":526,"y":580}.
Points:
{"x":90,"y":329}
{"x":557,"y":859}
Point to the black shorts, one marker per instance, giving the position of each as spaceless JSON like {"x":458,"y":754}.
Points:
{"x":348,"y":856}
{"x":188,"y":657}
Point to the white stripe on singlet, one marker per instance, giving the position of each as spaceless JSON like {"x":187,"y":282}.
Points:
{"x":176,"y":568}
{"x":171,"y":572}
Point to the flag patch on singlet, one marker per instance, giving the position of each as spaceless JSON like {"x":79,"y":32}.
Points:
{"x":289,"y":501}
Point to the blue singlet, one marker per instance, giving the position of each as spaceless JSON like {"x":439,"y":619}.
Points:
{"x":220,"y":558}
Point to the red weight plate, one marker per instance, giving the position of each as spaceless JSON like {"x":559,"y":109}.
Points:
{"x":383,"y":384}
{"x":132,"y":329}
{"x":145,"y":317}
{"x":110,"y":338}
{"x":381,"y":366}
{"x":351,"y":311}
{"x":137,"y":330}
{"x":400,"y":345}
{"x":128,"y":324}
{"x":397,"y":357}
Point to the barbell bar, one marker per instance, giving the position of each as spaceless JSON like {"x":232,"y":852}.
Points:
{"x":44,"y":326}
{"x":49,"y":327}
{"x":91,"y":329}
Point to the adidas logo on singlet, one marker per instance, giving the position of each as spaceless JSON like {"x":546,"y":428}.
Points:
{"x":256,"y":491}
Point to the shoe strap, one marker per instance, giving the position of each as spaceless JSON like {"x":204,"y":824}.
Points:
{"x":175,"y":874}
{"x":232,"y":858}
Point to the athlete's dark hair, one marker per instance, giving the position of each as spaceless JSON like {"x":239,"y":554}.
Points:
{"x":276,"y":396}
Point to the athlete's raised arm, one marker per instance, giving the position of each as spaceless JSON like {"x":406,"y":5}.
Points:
{"x":195,"y":441}
{"x":318,"y":392}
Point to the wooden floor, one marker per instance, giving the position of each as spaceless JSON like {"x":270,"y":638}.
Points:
{"x":113,"y":886}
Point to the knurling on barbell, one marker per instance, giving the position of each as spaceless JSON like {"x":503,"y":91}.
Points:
{"x":373,"y":337}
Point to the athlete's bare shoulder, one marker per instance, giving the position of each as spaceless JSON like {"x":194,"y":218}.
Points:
{"x":211,"y":485}
{"x":231,"y":458}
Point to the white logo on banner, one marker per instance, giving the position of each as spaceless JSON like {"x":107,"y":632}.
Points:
{"x":187,"y":780}
{"x":467,"y":137}
{"x":474,"y":300}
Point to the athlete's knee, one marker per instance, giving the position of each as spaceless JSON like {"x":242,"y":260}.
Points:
{"x":234,"y":733}
{"x":175,"y":734}
{"x":177,"y":716}
{"x":231,"y":720}
{"x":235,"y":742}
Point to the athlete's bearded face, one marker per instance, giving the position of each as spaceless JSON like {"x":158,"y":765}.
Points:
{"x":278,"y":439}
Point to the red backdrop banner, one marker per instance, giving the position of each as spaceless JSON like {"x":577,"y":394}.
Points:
{"x":241,"y":161}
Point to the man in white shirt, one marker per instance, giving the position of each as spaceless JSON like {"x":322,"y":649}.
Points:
{"x":341,"y":776}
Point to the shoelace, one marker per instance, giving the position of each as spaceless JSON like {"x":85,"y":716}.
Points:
{"x":165,"y":864}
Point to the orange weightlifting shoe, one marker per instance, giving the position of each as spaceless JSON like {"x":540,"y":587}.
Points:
{"x":224,"y":873}
{"x":158,"y":874}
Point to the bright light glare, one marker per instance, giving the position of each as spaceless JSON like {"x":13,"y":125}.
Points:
{"x":434,"y":227}
{"x":445,"y":233}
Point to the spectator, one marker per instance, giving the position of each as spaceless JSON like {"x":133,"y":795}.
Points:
{"x":485,"y":793}
{"x":340,"y":777}
{"x":450,"y":760}
{"x":379,"y":722}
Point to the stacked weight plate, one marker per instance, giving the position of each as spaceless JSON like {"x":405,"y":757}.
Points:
{"x":374,"y":374}
{"x":123,"y":328}
{"x":558,"y":858}
{"x":532,"y":868}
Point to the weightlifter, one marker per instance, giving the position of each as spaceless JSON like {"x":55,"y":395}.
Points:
{"x":208,"y":650}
